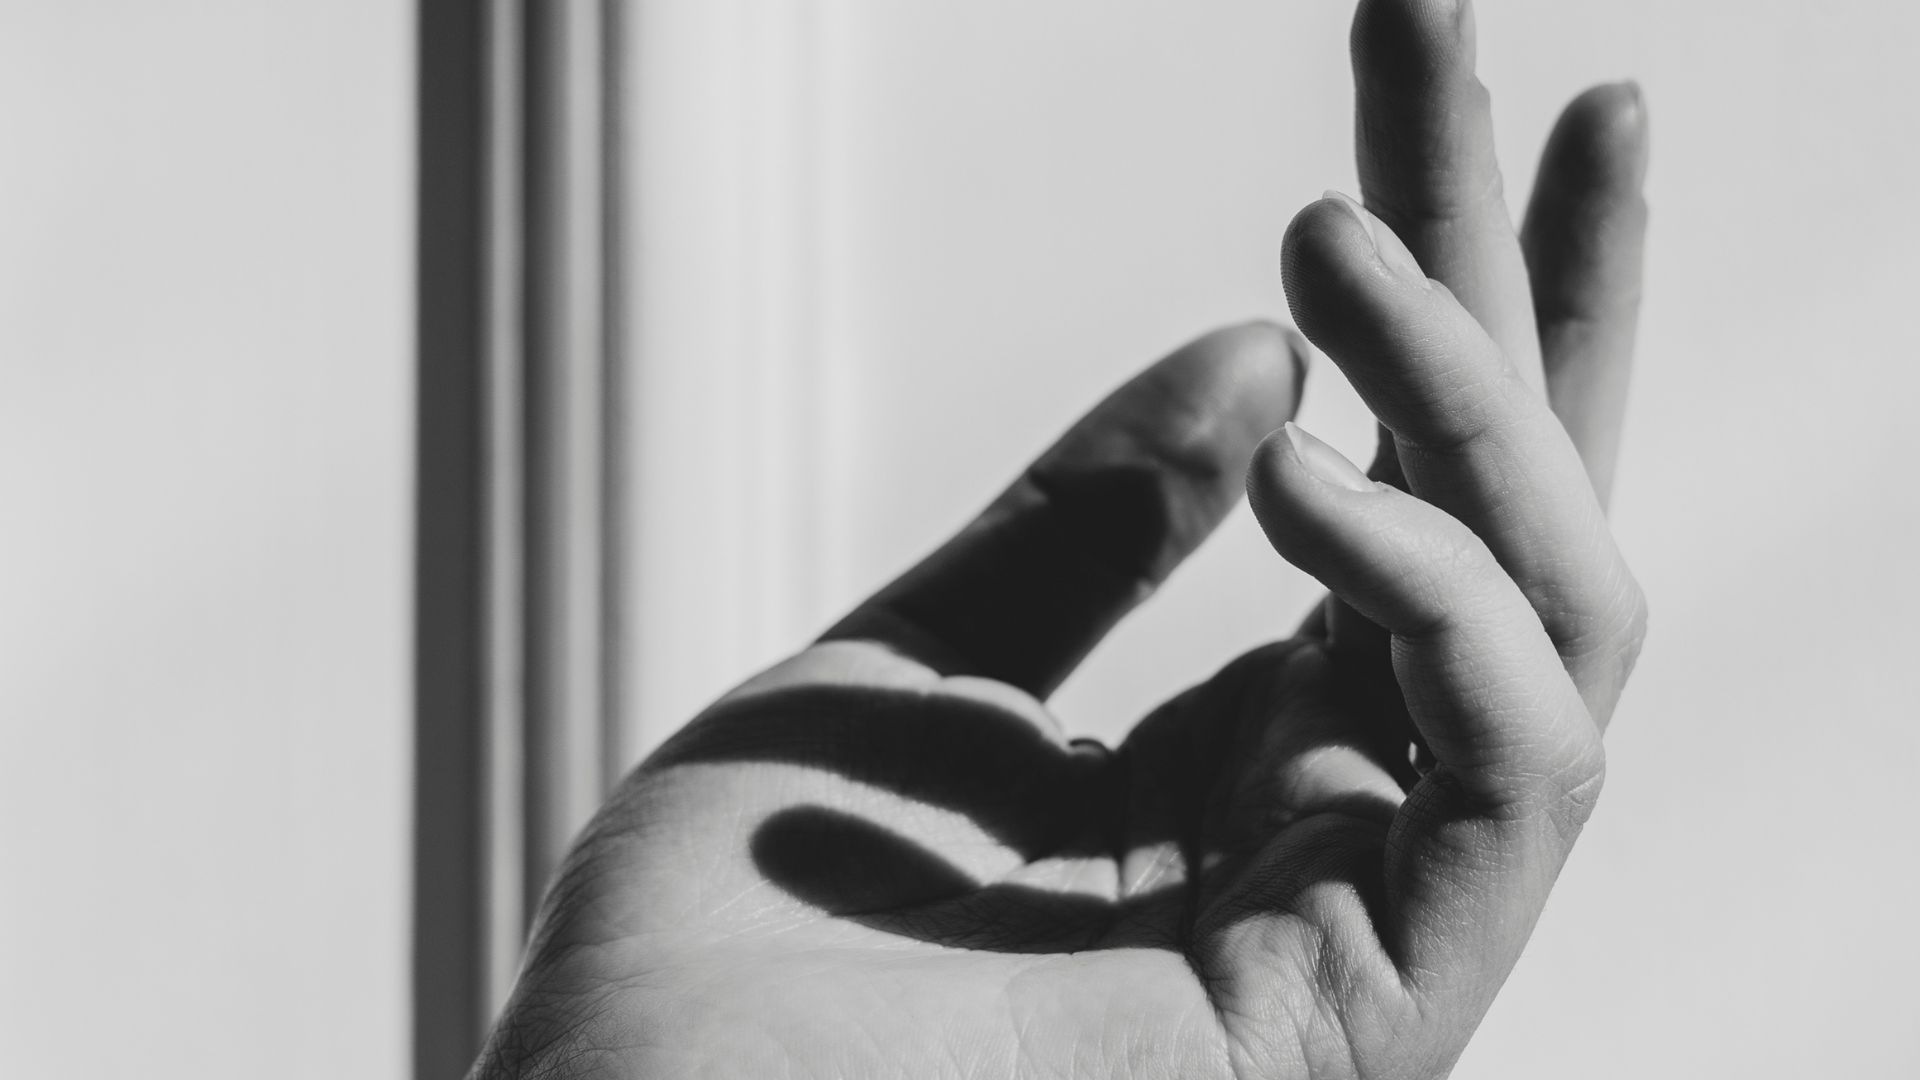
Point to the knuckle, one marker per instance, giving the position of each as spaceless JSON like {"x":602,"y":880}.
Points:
{"x":1574,"y":788}
{"x":1622,"y":627}
{"x":1634,"y":635}
{"x":1642,"y":610}
{"x":1453,"y":588}
{"x":1600,"y":622}
{"x":1583,"y":780}
{"x":1477,"y":415}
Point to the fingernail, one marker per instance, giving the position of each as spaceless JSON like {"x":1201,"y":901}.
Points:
{"x":1631,"y":113}
{"x":1623,"y":133}
{"x":1326,"y":464}
{"x":1466,"y":21}
{"x":1386,"y":247}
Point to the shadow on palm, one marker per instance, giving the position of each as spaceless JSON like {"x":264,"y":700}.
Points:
{"x":1258,"y":782}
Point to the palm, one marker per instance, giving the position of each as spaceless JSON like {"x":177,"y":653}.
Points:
{"x":919,"y":848}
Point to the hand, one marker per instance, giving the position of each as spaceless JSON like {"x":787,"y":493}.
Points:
{"x":883,"y":856}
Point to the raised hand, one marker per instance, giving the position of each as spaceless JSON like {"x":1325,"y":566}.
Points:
{"x":883,"y":857}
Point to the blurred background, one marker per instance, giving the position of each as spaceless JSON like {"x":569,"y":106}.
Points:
{"x":861,"y":261}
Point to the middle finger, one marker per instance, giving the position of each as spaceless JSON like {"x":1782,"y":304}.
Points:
{"x":1424,"y":143}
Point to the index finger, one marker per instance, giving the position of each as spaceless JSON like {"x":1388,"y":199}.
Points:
{"x":1474,"y":849}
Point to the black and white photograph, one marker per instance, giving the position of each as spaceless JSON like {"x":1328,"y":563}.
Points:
{"x":959,"y":539}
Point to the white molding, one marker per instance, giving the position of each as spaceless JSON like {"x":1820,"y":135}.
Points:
{"x":502,"y":803}
{"x":733,"y":394}
{"x":566,"y":365}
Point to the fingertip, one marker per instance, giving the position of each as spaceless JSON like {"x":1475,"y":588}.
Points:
{"x":1335,"y":227}
{"x":1404,"y":44}
{"x":1323,"y":219}
{"x":1313,"y":225}
{"x":1260,"y":352}
{"x":1616,"y":110}
{"x":1601,"y":138}
{"x":1323,"y":239}
{"x":1195,"y":415}
{"x":1265,"y":474}
{"x":1267,"y":477}
{"x":1335,"y":256}
{"x":1295,"y":480}
{"x":1212,"y":399}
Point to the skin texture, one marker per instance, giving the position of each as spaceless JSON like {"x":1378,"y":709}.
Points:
{"x":883,"y":857}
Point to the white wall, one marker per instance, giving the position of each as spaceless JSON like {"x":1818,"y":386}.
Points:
{"x":1010,"y":206}
{"x":205,"y":470}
